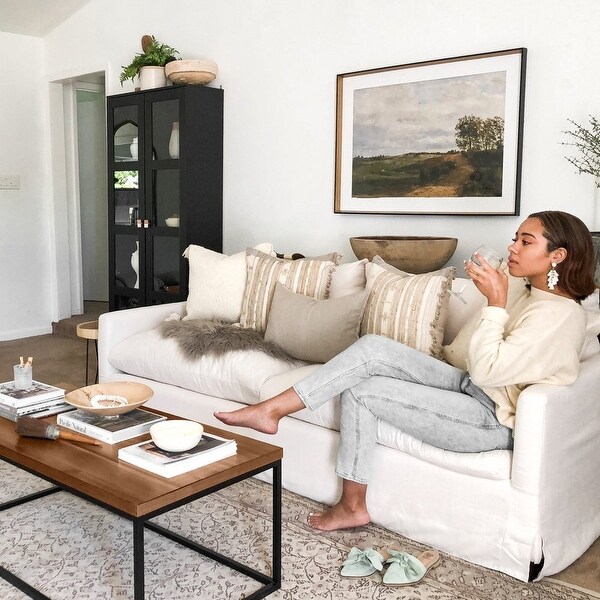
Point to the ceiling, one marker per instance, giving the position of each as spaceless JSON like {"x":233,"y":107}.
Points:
{"x":35,"y":17}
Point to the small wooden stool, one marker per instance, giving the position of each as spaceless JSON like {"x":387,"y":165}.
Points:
{"x":89,"y":331}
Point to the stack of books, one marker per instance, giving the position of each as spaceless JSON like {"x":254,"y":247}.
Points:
{"x":147,"y":455}
{"x":110,"y":430}
{"x":40,"y":400}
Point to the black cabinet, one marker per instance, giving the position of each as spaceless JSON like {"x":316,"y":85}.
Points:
{"x":165,"y":189}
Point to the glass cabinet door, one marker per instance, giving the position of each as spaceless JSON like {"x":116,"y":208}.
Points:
{"x":164,"y":266}
{"x":165,"y":129}
{"x":125,"y":140}
{"x":165,"y":197}
{"x":165,"y":207}
{"x":126,"y":275}
{"x":126,"y":197}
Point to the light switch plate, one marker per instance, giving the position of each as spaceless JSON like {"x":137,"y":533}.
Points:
{"x":10,"y":182}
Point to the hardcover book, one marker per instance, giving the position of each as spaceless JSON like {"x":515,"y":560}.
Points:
{"x":147,"y":455}
{"x":37,"y":407}
{"x":110,"y":430}
{"x":35,"y":411}
{"x":38,"y":392}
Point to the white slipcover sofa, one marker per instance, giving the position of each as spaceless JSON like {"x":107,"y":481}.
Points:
{"x":529,"y":513}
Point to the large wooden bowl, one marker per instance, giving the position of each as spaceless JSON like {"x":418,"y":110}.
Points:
{"x":413,"y":254}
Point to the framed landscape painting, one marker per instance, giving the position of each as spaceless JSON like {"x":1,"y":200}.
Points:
{"x":438,"y":137}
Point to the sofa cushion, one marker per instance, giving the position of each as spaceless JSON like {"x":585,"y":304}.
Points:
{"x":348,"y":278}
{"x":495,"y":464}
{"x":314,"y":330}
{"x":411,"y":309}
{"x":236,"y":375}
{"x":309,"y":276}
{"x":217,"y":283}
{"x":460,"y":312}
{"x":591,"y":346}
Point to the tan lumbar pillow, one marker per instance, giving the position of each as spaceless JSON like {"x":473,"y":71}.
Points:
{"x":314,"y":330}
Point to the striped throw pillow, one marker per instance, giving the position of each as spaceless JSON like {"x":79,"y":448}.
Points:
{"x":411,"y":309}
{"x":308,"y":276}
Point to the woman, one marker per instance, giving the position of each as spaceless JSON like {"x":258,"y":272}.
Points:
{"x":529,"y":332}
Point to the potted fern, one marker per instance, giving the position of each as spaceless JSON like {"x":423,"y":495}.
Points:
{"x":149,"y":65}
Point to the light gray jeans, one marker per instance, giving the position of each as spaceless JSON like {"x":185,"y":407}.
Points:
{"x":381,"y":379}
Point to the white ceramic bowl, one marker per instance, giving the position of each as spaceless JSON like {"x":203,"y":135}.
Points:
{"x":172,"y":222}
{"x":176,"y":435}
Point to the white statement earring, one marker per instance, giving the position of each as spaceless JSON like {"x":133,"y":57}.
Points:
{"x":552,"y":277}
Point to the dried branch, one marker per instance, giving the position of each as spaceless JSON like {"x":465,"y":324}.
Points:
{"x":587,"y":142}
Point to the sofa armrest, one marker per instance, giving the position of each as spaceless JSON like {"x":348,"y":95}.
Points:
{"x":114,"y":327}
{"x":557,"y":439}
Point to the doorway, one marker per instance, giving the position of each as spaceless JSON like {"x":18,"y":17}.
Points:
{"x":78,"y":228}
{"x":91,"y":153}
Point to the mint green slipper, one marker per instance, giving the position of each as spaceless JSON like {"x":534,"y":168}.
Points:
{"x":362,"y":563}
{"x":406,"y":569}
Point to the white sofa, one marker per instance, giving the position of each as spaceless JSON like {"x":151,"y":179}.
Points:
{"x":529,"y":513}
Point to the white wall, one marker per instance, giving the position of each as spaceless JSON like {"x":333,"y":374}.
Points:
{"x":278,"y":61}
{"x":25,"y":302}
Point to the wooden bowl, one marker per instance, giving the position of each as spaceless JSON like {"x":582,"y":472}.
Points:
{"x":134,"y":394}
{"x":413,"y":254}
{"x":195,"y":72}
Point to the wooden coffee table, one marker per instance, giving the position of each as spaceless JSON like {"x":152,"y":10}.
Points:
{"x":95,"y":473}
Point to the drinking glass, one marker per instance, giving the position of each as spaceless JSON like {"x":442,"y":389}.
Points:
{"x":493,"y":259}
{"x":23,"y":377}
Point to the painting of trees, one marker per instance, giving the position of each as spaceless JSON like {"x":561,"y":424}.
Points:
{"x":474,"y":133}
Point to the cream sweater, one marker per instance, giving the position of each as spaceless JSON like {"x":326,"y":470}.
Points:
{"x":536,"y":339}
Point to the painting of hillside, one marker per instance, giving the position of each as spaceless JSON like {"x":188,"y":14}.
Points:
{"x":435,"y":138}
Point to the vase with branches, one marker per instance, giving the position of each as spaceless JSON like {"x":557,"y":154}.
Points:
{"x":586,"y":140}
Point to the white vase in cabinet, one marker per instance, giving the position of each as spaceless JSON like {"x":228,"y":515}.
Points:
{"x":174,"y":141}
{"x":133,"y":149}
{"x":135,"y":265}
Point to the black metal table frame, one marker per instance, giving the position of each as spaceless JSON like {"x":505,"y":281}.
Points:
{"x":270,"y":583}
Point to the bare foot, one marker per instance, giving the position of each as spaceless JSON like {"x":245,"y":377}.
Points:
{"x":265,"y":415}
{"x":254,"y":417}
{"x":339,"y":516}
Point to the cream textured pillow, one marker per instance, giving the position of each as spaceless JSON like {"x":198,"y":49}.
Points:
{"x":348,"y":278}
{"x":314,"y":330}
{"x":217,"y":283}
{"x":308,"y":276}
{"x":411,"y":309}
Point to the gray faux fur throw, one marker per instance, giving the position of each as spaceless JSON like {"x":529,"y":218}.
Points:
{"x":199,"y":337}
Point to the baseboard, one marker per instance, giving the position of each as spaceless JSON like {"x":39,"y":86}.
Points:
{"x":17,"y":334}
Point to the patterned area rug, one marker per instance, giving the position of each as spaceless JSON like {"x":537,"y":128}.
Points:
{"x":71,"y":549}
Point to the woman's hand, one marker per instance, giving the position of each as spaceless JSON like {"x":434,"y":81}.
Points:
{"x":492,"y":283}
